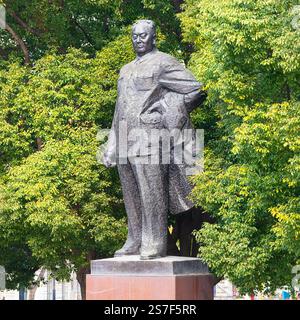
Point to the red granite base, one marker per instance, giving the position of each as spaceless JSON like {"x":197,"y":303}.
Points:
{"x":176,"y":287}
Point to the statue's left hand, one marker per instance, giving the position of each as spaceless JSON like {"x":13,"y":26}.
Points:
{"x":109,"y":159}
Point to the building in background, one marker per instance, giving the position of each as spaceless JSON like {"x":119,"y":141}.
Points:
{"x":51,"y":290}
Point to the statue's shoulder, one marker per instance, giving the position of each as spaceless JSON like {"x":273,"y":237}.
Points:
{"x":125,"y":68}
{"x":164,"y":56}
{"x":166,"y":59}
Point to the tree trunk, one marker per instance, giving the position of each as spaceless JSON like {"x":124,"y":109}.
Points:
{"x":33,"y":289}
{"x":82,"y":272}
{"x":39,"y":143}
{"x":81,"y":278}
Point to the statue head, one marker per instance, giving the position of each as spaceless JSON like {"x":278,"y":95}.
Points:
{"x":143,"y":36}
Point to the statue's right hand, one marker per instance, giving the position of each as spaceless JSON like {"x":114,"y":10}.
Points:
{"x":109,"y":159}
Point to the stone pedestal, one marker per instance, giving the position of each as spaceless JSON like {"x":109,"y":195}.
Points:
{"x":168,"y":278}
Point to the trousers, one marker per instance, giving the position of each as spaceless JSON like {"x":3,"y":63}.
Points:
{"x":145,"y":191}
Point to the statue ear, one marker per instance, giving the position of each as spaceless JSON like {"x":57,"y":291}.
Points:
{"x":154,"y":40}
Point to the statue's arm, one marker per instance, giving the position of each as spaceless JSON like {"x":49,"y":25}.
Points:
{"x":194,"y":99}
{"x":175,"y":77}
{"x":109,"y":156}
{"x":112,"y":142}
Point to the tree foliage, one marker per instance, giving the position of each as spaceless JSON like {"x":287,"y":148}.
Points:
{"x":66,"y":205}
{"x":59,"y":66}
{"x":89,"y":24}
{"x":247,"y":53}
{"x":59,"y":208}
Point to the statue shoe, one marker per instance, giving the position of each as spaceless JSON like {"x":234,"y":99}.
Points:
{"x":128,"y":250}
{"x":152,"y":253}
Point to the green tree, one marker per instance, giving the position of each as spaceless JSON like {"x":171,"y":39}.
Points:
{"x":36,"y":26}
{"x":248,"y":54}
{"x":57,"y":204}
{"x":60,"y":206}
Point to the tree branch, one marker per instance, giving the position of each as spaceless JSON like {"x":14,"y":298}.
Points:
{"x":177,"y":5}
{"x":23,"y":23}
{"x":288,"y":91}
{"x":20,"y":43}
{"x":39,"y":143}
{"x":87,"y":36}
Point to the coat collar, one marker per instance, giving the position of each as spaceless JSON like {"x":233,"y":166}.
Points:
{"x":145,"y":57}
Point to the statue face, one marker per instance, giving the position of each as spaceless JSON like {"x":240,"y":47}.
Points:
{"x":143,"y":39}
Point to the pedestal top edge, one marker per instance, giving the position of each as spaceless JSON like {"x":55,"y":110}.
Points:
{"x":136,"y":258}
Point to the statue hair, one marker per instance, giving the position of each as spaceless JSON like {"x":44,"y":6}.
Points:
{"x":150,"y":23}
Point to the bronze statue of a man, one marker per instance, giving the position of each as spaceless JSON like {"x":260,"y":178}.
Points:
{"x":155,"y":91}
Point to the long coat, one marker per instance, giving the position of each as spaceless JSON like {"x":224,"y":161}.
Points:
{"x":157,"y":91}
